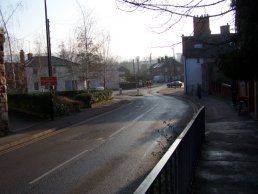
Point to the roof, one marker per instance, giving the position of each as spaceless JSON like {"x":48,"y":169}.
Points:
{"x":43,"y":60}
{"x":207,"y":46}
{"x":165,"y":63}
{"x":121,"y":68}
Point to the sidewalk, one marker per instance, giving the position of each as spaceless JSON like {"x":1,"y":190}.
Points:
{"x":23,"y":131}
{"x":229,"y":159}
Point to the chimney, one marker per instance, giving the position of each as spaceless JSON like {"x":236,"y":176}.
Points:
{"x":22,"y":57}
{"x":166,"y":59}
{"x":29,"y":56}
{"x":201,"y":25}
{"x":224,"y":29}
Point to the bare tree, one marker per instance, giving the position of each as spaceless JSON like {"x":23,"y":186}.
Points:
{"x":174,"y":11}
{"x":4,"y":21}
{"x":40,"y":47}
{"x":104,"y":54}
{"x":67,"y":51}
{"x":85,"y":38}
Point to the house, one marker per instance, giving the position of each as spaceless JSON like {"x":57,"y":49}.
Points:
{"x":200,"y":54}
{"x":123,"y":71}
{"x":166,"y":70}
{"x":68,"y":73}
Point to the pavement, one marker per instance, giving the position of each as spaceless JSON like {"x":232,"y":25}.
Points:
{"x":229,"y":158}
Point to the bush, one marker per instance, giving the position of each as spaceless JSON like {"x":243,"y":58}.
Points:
{"x":93,"y":97}
{"x":85,"y":98}
{"x":65,"y":106}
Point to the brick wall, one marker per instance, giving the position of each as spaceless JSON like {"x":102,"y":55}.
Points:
{"x":3,"y":90}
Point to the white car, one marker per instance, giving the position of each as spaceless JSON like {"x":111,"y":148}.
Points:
{"x":175,"y":84}
{"x":99,"y":88}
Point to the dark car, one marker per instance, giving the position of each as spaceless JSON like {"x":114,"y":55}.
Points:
{"x":175,"y":84}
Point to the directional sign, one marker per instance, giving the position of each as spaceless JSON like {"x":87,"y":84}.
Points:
{"x":48,"y":81}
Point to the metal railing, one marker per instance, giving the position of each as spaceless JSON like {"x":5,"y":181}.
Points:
{"x":175,"y":171}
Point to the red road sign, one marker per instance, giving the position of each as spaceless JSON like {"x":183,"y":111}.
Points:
{"x":48,"y":81}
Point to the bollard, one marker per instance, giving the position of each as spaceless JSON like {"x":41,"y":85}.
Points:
{"x":138,"y":93}
{"x":120,"y":91}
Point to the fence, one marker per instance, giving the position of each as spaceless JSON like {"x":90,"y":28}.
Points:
{"x":175,"y":171}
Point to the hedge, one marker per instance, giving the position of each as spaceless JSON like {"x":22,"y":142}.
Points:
{"x":37,"y":104}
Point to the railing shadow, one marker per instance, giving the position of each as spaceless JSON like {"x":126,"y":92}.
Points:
{"x":175,"y":171}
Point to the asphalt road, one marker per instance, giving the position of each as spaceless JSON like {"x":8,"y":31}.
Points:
{"x":110,"y":153}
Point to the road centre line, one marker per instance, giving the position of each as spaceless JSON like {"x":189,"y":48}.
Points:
{"x":57,"y":167}
{"x":124,"y":127}
{"x":118,"y":131}
{"x":133,"y":121}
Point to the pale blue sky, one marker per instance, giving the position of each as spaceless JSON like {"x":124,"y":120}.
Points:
{"x":130,"y":32}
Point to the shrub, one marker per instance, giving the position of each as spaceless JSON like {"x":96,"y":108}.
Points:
{"x":85,"y":98}
{"x":65,"y":106}
{"x":93,"y":97}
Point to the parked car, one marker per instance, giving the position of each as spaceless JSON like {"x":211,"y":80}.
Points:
{"x":99,"y":88}
{"x":175,"y":84}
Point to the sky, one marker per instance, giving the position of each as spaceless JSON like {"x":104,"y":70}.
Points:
{"x":132,"y":33}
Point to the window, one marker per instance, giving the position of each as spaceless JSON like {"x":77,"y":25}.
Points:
{"x":70,"y":84}
{"x":35,"y":71}
{"x":198,"y":46}
{"x":54,"y":70}
{"x":47,"y":87}
{"x":36,"y":86}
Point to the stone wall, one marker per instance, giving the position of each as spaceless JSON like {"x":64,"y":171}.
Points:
{"x":3,"y":90}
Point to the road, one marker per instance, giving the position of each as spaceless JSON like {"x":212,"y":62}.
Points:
{"x":110,"y":153}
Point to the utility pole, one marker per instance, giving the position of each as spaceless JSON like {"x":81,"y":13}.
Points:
{"x":138,"y":68}
{"x":174,"y":65}
{"x":49,"y":64}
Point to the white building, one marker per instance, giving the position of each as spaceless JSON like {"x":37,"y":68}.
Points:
{"x":68,"y":74}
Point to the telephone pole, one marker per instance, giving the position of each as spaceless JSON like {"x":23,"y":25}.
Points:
{"x":49,"y":64}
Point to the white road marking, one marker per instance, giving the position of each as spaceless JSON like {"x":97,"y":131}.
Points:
{"x":100,"y":139}
{"x":118,"y":131}
{"x":138,"y":118}
{"x":131,"y":123}
{"x":57,"y":167}
{"x":124,"y":127}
